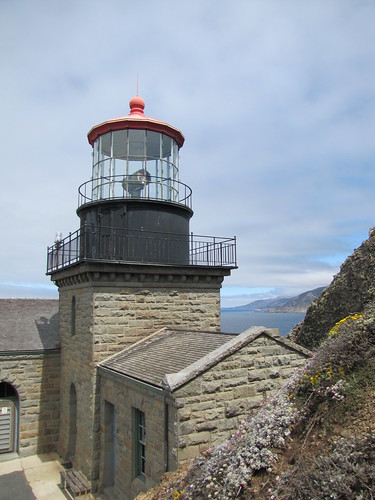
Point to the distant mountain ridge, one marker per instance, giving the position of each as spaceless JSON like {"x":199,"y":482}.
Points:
{"x":300,"y":303}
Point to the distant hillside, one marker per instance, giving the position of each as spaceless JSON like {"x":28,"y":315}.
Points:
{"x":300,"y":303}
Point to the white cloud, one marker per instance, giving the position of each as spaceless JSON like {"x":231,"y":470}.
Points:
{"x":275,"y":99}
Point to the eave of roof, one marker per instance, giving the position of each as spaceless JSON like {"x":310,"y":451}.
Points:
{"x":138,"y":123}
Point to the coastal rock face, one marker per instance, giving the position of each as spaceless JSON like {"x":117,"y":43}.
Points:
{"x":350,"y":292}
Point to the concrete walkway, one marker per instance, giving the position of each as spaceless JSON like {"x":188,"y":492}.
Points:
{"x":35,"y":477}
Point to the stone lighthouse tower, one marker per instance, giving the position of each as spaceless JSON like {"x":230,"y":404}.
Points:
{"x":131,"y":268}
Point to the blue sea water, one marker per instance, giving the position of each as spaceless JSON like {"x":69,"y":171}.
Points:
{"x":239,"y":321}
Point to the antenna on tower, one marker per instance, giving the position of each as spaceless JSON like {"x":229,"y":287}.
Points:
{"x":137,"y":83}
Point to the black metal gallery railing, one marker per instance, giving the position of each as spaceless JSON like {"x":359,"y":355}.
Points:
{"x":92,"y":243}
{"x":140,"y":185}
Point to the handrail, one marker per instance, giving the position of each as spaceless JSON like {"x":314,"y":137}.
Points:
{"x":135,"y":186}
{"x":92,"y":243}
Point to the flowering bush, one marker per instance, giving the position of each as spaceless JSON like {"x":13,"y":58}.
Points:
{"x":338,"y":328}
{"x":350,"y":343}
{"x":224,"y":471}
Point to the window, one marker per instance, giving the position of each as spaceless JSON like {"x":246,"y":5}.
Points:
{"x":73,"y":316}
{"x":140,"y":444}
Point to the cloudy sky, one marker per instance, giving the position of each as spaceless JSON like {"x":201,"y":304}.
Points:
{"x":276,"y":100}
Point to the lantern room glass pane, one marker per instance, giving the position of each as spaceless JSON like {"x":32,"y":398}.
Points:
{"x":167,"y":146}
{"x":137,"y":144}
{"x":120,"y":143}
{"x":105,"y":146}
{"x":153,"y":145}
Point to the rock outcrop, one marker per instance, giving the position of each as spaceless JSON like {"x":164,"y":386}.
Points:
{"x":351,"y":291}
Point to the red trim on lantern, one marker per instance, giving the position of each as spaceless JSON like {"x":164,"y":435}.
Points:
{"x":135,"y":120}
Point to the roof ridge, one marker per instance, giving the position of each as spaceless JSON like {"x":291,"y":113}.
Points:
{"x":173,"y":381}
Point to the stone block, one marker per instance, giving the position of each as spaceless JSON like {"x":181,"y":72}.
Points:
{"x":256,"y":375}
{"x":188,"y":453}
{"x":187,"y":427}
{"x":208,"y":425}
{"x":210,"y":387}
{"x":197,"y":438}
{"x":244,"y":391}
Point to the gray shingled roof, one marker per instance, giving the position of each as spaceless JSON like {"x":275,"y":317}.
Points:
{"x":28,"y":324}
{"x":167,"y":351}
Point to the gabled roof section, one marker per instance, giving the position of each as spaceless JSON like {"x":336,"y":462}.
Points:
{"x":166,"y":351}
{"x":29,"y":325}
{"x":170,"y":358}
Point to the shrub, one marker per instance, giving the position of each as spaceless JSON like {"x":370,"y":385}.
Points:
{"x":350,"y":344}
{"x":348,"y":472}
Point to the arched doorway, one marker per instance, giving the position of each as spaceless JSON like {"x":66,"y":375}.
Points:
{"x":72,"y":423}
{"x":9,"y":418}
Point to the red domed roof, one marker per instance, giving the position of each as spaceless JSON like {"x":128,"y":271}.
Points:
{"x":136,"y":119}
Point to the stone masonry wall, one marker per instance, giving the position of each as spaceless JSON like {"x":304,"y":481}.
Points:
{"x":211,"y":407}
{"x":117,"y":305}
{"x":125,"y":316}
{"x":36,"y":378}
{"x":77,"y":368}
{"x":126,"y":395}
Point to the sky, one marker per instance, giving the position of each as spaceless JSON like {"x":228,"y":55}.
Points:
{"x":276,"y":100}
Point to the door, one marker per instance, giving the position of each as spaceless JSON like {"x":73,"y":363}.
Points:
{"x":7,"y":425}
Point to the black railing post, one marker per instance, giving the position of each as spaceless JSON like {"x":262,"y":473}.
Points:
{"x":63,"y":254}
{"x":84,"y":239}
{"x":70,"y":248}
{"x":192,"y":247}
{"x":235,"y":251}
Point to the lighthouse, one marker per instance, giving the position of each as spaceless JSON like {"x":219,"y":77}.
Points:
{"x":131,"y":268}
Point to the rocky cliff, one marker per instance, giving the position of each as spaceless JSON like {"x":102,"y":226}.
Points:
{"x":351,"y":291}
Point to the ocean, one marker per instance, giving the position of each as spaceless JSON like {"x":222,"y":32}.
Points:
{"x":239,"y":321}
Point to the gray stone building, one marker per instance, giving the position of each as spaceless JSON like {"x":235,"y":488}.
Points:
{"x":29,"y":376}
{"x":188,"y":390}
{"x":137,"y":377}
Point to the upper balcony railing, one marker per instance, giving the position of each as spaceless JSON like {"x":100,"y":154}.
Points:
{"x":139,"y":185}
{"x":104,"y":244}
